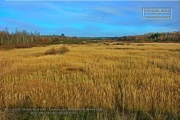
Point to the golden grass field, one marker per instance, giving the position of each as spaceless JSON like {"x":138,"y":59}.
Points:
{"x":130,"y":77}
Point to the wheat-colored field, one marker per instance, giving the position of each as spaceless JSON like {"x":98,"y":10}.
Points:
{"x":126,"y":77}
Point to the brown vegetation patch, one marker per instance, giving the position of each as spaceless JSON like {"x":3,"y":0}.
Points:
{"x":119,"y":44}
{"x":7,"y":47}
{"x":18,"y":46}
{"x":26,"y":45}
{"x":75,"y":69}
{"x":61,"y":50}
{"x":71,"y":68}
{"x":51,"y":51}
{"x":127,"y":48}
{"x":175,"y":50}
{"x":140,"y":44}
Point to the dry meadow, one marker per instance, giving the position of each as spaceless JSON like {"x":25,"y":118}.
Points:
{"x":126,"y":78}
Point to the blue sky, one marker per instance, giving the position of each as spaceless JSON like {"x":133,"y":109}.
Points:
{"x":86,"y":19}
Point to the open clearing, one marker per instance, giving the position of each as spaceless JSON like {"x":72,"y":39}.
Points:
{"x":128,"y":77}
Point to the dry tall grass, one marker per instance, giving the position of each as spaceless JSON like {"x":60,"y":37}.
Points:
{"x":128,"y":78}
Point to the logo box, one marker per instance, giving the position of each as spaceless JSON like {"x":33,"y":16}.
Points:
{"x":156,"y":13}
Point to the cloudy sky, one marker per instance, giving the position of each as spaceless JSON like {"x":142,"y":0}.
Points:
{"x":86,"y":18}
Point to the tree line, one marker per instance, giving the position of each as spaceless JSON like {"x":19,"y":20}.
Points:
{"x":25,"y":37}
{"x":153,"y":37}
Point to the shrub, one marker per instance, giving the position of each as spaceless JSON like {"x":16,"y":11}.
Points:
{"x":61,"y":50}
{"x":51,"y":51}
{"x":119,"y":43}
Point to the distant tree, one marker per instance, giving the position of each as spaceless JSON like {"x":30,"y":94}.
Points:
{"x":155,"y":36}
{"x":62,"y":35}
